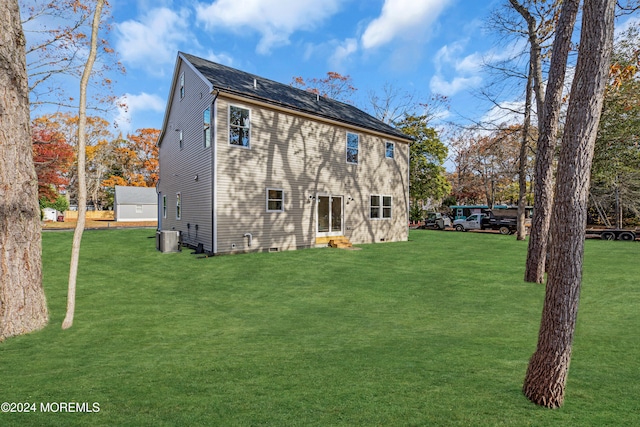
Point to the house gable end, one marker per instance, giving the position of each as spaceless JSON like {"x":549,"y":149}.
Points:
{"x":174,"y":82}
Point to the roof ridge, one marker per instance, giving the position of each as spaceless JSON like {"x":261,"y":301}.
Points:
{"x":226,"y":78}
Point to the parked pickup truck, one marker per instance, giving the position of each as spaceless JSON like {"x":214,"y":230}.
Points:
{"x":486,"y":221}
{"x":437,"y":221}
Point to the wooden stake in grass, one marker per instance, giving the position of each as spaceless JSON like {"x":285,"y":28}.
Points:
{"x":82,"y":186}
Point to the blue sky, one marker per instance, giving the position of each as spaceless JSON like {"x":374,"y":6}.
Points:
{"x":418,"y":46}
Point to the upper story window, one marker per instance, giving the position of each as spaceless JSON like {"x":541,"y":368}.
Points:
{"x":380,"y":207}
{"x":181,"y":139}
{"x":239,"y":126}
{"x":353,"y":142}
{"x":389,"y":150}
{"x":275,"y":200}
{"x":164,"y":206}
{"x":206,"y":120}
{"x":182,"y":85}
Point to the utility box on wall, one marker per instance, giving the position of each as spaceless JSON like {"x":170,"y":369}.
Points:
{"x":168,"y":241}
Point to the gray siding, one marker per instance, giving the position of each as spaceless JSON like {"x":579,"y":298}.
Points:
{"x":304,"y":157}
{"x":292,"y":151}
{"x":126,"y":212}
{"x":179,"y":167}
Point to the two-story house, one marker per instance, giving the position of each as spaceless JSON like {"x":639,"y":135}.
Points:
{"x":249,"y":164}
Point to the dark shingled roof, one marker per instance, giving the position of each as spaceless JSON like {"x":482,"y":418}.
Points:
{"x":227,"y":79}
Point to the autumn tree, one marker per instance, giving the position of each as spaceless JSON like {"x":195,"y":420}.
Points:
{"x":334,"y":86}
{"x":466,"y":187}
{"x":82,"y":189}
{"x":615,"y":176}
{"x":52,"y":156}
{"x":135,"y":162}
{"x":546,"y":376}
{"x":144,"y":145}
{"x":23,"y":307}
{"x":99,"y":151}
{"x":487,"y":165}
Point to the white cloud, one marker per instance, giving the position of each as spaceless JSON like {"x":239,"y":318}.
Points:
{"x":402,"y":19}
{"x":129,"y":105}
{"x":274,"y":20}
{"x":342,"y":53}
{"x":455,"y":85}
{"x":505,"y":113}
{"x":153,"y":40}
{"x":463,"y":72}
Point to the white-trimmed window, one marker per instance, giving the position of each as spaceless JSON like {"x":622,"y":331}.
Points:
{"x":182,"y":85}
{"x":138,"y":209}
{"x":275,"y":200}
{"x":181,"y":139}
{"x":164,"y":206}
{"x":353,"y":143}
{"x":239,"y":126}
{"x":389,"y":150}
{"x":380,"y":207}
{"x":206,"y":125}
{"x":178,"y":206}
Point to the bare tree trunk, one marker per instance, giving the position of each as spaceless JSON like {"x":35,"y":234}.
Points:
{"x":82,"y":185}
{"x":548,"y":368}
{"x":23,"y":306}
{"x":548,"y":128}
{"x":522,"y":168}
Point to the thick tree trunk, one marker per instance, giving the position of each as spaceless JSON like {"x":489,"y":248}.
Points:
{"x":548,"y":129}
{"x":547,"y":372}
{"x":23,"y":305}
{"x":82,"y":186}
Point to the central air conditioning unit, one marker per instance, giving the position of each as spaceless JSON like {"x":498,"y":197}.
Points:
{"x":168,"y":241}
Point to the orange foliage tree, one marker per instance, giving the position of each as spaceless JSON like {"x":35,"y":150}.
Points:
{"x":136,"y":160}
{"x":52,"y":156}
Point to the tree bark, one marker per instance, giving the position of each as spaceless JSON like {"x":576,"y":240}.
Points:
{"x":82,"y":185}
{"x":548,"y":368}
{"x":522,"y":167}
{"x":548,"y":129}
{"x":23,"y":306}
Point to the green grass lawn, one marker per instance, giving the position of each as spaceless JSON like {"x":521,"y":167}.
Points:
{"x":434,"y":331}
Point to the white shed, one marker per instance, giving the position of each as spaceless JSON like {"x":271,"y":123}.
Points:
{"x":49,"y":214}
{"x":135,"y":204}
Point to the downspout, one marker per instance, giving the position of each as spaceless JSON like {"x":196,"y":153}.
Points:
{"x":214,"y":172}
{"x":408,"y":196}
